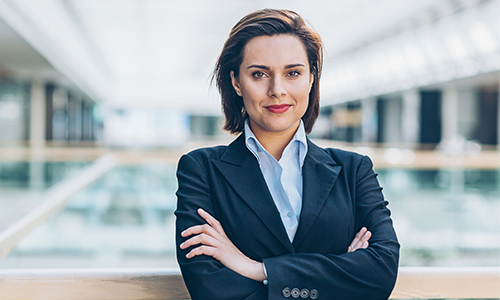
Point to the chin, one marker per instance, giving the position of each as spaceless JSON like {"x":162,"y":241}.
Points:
{"x":280,"y":128}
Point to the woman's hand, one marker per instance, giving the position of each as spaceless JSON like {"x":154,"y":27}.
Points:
{"x":210,"y":239}
{"x":360,"y":241}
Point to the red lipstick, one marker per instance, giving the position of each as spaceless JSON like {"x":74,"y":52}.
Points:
{"x":278,"y":109}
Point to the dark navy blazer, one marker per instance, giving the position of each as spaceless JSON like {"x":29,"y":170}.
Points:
{"x":340,"y":195}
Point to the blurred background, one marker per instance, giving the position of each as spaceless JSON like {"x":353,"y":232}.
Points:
{"x":99,"y":98}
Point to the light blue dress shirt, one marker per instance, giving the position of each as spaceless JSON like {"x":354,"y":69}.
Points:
{"x":283,"y":177}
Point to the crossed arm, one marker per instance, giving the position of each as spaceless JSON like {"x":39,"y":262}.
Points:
{"x":210,"y":239}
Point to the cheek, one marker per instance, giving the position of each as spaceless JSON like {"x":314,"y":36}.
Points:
{"x":253,"y":93}
{"x":249,"y":102}
{"x":302,"y":92}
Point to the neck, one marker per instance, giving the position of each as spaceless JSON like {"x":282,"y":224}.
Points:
{"x":274,"y":142}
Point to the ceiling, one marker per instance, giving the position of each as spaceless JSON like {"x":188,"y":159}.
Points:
{"x":18,"y":58}
{"x":160,"y":53}
{"x":165,"y":50}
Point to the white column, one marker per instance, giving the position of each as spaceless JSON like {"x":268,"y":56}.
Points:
{"x":369,"y":120}
{"x":468,"y":114}
{"x":37,"y":114}
{"x":392,"y":123}
{"x":37,"y":133}
{"x":410,"y":121}
{"x":449,"y":114}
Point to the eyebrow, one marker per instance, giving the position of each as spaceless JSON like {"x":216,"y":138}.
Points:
{"x":267,"y":68}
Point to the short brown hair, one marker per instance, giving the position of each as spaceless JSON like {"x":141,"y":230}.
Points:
{"x":266,"y":22}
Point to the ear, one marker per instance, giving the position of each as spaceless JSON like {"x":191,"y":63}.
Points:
{"x":236,"y":84}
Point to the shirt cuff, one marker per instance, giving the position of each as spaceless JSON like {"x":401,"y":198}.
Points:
{"x":265,"y":282}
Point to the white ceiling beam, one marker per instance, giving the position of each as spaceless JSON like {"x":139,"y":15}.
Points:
{"x":50,"y":29}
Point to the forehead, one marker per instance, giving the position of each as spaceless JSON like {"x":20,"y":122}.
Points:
{"x":277,"y":49}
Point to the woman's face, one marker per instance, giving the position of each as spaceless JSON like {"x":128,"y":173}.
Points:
{"x":274,"y":81}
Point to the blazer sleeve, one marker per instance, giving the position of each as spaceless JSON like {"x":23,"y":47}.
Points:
{"x":205,"y":277}
{"x":364,"y":274}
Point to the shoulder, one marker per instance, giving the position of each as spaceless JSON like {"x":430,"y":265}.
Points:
{"x":343,"y":155}
{"x":232,"y":153}
{"x":340,"y":156}
{"x":197,"y":163}
{"x":351,"y":162}
{"x":204,"y":155}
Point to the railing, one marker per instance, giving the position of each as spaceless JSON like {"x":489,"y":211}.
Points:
{"x":442,"y":283}
{"x":55,"y":198}
{"x":163,"y":284}
{"x":414,"y":158}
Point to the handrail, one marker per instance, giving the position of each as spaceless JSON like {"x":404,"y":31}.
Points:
{"x":442,"y":283}
{"x":162,"y":284}
{"x":402,"y":158}
{"x":54,"y":199}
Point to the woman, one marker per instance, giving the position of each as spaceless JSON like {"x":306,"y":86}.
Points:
{"x":272,"y":215}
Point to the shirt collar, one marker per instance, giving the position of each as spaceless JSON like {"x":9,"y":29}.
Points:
{"x":253,"y":144}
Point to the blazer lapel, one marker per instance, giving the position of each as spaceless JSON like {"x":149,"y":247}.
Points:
{"x":319,"y":174}
{"x":241,"y":169}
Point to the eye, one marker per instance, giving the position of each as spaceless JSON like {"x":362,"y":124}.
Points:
{"x":258,"y":74}
{"x":293,"y":73}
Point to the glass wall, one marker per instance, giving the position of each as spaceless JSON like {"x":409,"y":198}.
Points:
{"x":14,"y":110}
{"x":443,"y":217}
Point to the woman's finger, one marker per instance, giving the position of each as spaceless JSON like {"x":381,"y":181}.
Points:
{"x":365,"y":237}
{"x":361,"y":232}
{"x":197,"y":229}
{"x":358,"y":236}
{"x":212,"y":221}
{"x":199,"y":239}
{"x":360,"y":241}
{"x":202,"y":250}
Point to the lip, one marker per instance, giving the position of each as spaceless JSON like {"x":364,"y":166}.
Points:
{"x":278,"y":109}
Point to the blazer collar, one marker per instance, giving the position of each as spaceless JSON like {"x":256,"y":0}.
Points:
{"x":242,"y":171}
{"x":319,"y":173}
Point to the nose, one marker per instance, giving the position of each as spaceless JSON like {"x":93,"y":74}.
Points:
{"x":276,"y":87}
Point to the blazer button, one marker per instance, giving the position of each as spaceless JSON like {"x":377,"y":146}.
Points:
{"x":295,"y":293}
{"x":314,"y":294}
{"x":304,"y":293}
{"x":286,"y":292}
